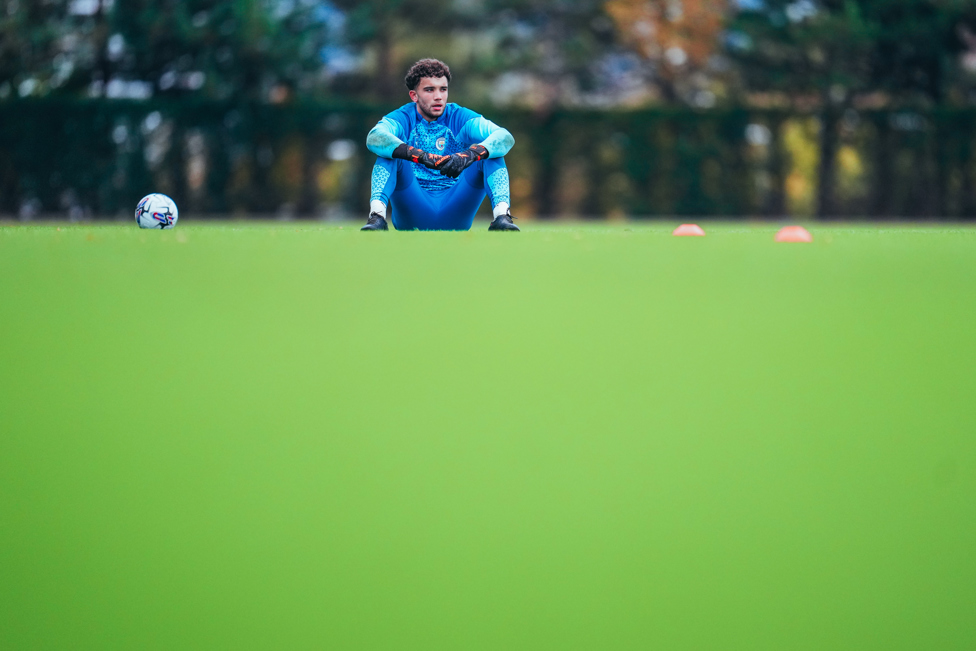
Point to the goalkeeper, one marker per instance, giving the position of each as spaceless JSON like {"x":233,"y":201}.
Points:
{"x":437,"y":161}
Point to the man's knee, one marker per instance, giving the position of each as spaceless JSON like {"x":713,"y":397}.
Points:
{"x":494,"y":164}
{"x":400,"y":169}
{"x":477,"y":174}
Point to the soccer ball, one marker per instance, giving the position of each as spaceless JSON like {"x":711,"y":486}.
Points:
{"x":157,"y":211}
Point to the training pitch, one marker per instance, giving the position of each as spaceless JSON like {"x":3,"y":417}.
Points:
{"x":300,"y":436}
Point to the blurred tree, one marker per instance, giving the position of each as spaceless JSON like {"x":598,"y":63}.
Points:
{"x":265,"y":50}
{"x":835,"y":54}
{"x":559,"y":51}
{"x":907,"y":50}
{"x":915,"y":62}
{"x":384,"y":27}
{"x":32,"y":35}
{"x":530,"y":52}
{"x":679,"y":38}
{"x":249,"y":49}
{"x":917,"y":49}
{"x":805,"y":55}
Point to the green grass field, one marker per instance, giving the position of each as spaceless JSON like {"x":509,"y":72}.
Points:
{"x":299,"y":436}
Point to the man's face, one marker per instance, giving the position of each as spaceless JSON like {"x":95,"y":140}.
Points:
{"x":430,"y":96}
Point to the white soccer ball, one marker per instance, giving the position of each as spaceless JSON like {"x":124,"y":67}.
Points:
{"x":157,"y":211}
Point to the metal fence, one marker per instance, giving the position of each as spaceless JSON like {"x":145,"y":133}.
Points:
{"x":96,"y":158}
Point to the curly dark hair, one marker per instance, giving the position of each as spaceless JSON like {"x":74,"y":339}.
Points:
{"x":426,"y":68}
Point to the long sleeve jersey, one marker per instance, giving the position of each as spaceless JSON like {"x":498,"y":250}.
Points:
{"x":455,"y":130}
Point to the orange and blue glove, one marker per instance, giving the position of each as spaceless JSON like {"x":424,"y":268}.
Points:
{"x":406,"y":152}
{"x":454,"y":164}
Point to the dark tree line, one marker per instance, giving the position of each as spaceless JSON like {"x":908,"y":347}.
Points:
{"x":834,"y":56}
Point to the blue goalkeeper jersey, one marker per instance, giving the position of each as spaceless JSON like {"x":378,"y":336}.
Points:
{"x":455,"y":130}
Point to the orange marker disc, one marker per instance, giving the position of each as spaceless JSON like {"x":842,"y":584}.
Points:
{"x":688,"y":229}
{"x":793,"y":234}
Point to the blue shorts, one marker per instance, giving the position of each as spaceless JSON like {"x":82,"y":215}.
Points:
{"x":452,"y":209}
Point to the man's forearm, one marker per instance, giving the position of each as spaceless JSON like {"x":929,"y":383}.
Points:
{"x":498,"y":143}
{"x":382,"y":141}
{"x":497,"y":140}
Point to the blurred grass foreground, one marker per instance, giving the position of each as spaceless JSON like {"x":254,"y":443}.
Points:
{"x":301,"y":436}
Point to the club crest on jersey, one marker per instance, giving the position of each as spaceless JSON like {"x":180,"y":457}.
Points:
{"x":440,"y":144}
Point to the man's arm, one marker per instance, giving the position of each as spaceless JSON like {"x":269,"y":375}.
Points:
{"x":479,"y":131}
{"x":384,"y":141}
{"x":490,"y":141}
{"x":385,"y":137}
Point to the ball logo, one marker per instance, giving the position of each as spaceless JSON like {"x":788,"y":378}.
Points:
{"x":440,"y":144}
{"x":141,"y":207}
{"x":164,"y":218}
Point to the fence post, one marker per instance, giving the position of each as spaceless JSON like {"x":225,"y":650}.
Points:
{"x":776,"y":202}
{"x":827,"y":165}
{"x":545,"y":144}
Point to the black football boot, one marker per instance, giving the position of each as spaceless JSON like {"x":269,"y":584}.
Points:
{"x":503,"y":223}
{"x":375,"y":223}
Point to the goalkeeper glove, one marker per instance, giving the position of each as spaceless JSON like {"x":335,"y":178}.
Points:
{"x":407,"y":152}
{"x":454,"y":164}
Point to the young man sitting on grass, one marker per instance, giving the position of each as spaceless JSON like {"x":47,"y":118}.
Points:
{"x":437,"y":161}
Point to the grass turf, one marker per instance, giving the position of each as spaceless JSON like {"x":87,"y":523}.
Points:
{"x":301,"y":436}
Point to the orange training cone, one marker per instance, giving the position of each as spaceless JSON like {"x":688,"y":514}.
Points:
{"x":793,"y":234}
{"x":688,"y":229}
